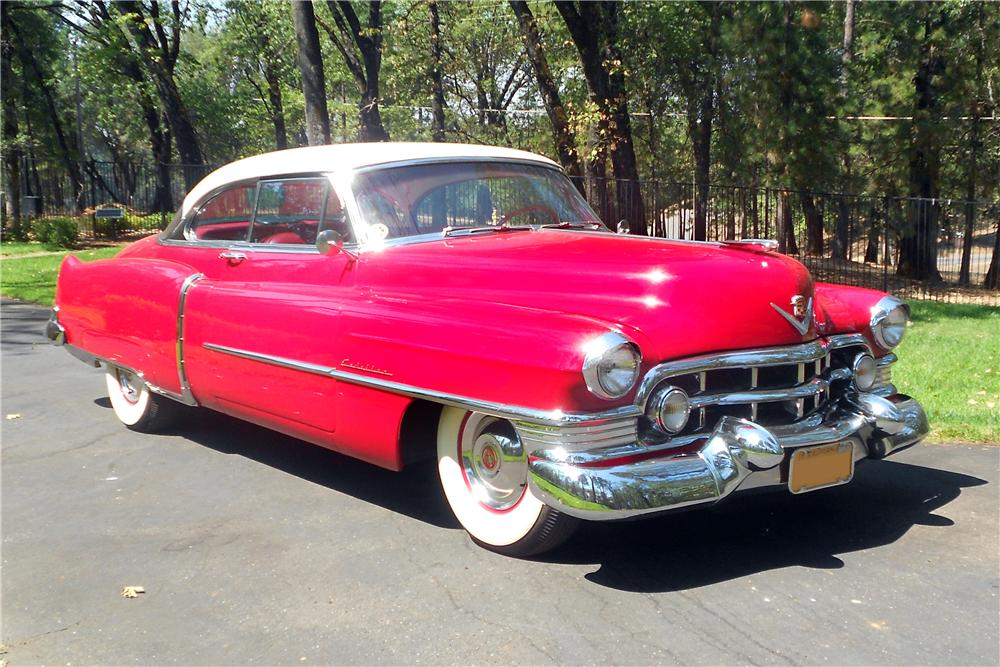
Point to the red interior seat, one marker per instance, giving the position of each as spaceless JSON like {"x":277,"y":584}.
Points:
{"x":284,"y":237}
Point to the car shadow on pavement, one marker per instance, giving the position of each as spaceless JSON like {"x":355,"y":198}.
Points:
{"x":744,"y":535}
{"x":764,"y":531}
{"x":415,"y":491}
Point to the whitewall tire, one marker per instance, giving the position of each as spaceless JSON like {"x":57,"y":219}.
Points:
{"x":134,"y":404}
{"x":483,"y":471}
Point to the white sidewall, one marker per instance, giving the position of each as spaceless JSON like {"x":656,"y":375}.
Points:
{"x":129,"y":413}
{"x":498,"y":529}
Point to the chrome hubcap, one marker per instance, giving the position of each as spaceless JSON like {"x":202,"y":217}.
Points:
{"x":128,"y":384}
{"x":494,"y":461}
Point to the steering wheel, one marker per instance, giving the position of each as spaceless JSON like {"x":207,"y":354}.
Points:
{"x":544,"y":208}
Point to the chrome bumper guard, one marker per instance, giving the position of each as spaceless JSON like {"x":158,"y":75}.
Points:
{"x":53,"y":330}
{"x":602,"y":484}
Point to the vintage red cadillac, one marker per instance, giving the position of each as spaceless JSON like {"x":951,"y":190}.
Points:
{"x":402,"y":301}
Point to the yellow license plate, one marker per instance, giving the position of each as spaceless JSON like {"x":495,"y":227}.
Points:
{"x":819,"y":467}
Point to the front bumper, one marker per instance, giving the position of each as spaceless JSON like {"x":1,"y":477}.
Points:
{"x":738,"y":454}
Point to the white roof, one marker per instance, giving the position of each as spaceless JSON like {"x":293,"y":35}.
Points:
{"x":318,"y":159}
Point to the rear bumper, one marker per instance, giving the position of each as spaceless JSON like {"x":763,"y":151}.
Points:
{"x":53,"y":330}
{"x":738,"y":454}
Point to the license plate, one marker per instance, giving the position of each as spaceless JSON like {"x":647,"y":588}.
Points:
{"x":819,"y":467}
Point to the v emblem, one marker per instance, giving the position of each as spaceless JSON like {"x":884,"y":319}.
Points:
{"x":802,"y":326}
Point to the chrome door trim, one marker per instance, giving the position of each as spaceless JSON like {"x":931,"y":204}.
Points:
{"x":503,"y":410}
{"x":187,"y":396}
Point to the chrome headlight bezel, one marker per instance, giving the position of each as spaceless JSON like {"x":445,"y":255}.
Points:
{"x":603,"y":356}
{"x":888,"y":322}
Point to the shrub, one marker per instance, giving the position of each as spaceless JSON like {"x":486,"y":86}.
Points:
{"x":55,"y":232}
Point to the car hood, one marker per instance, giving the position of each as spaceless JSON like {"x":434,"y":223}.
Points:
{"x":675,"y":298}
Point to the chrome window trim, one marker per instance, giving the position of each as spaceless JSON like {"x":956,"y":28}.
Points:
{"x":184,"y":223}
{"x":503,"y":410}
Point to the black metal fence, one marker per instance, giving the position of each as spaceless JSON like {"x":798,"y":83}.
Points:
{"x":941,"y":249}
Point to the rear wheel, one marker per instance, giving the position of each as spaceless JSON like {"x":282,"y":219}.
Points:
{"x":135,"y":405}
{"x":484,"y":473}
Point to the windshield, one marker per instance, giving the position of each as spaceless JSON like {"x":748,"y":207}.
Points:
{"x":430,"y":198}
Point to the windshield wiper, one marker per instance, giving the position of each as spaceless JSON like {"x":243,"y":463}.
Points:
{"x":571,"y":225}
{"x":483,"y":229}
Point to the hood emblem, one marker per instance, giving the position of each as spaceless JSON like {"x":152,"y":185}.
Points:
{"x":802,"y":313}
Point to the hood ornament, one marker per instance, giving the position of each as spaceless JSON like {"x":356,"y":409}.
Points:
{"x":802,"y":313}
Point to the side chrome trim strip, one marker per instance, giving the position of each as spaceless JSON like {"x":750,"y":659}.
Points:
{"x":186,"y":395}
{"x":505,"y":411}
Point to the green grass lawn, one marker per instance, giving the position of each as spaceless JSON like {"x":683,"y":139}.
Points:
{"x":11,"y":249}
{"x":950,"y":361}
{"x":34,"y":278}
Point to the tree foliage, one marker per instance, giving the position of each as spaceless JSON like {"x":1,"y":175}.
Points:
{"x":770,"y":94}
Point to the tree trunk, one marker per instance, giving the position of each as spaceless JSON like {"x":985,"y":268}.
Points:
{"x":562,"y":132}
{"x":700,"y":131}
{"x":871,"y":249}
{"x":159,"y":139}
{"x":70,"y":161}
{"x":700,"y":117}
{"x":786,"y":225}
{"x":361,"y":48}
{"x":11,"y":152}
{"x":277,"y":105}
{"x":918,"y":242}
{"x":992,"y":280}
{"x":160,"y":71}
{"x":310,"y":60}
{"x":814,"y":225}
{"x":593,"y":26}
{"x":842,"y":232}
{"x":975,"y":110}
{"x":436,"y":74}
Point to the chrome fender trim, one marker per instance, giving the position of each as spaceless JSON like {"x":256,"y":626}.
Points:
{"x":514,"y":413}
{"x":187,"y":396}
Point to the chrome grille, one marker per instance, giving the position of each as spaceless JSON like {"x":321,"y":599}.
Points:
{"x":772,"y":386}
{"x":587,"y":435}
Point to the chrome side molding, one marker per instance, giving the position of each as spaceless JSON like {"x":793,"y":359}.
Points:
{"x":506,"y":411}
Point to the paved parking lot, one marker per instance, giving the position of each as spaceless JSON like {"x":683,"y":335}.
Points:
{"x":254,"y":548}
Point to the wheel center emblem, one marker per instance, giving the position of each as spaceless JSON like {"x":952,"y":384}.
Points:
{"x":490,"y":459}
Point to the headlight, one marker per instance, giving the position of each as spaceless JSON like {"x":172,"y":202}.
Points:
{"x":888,"y":323}
{"x":669,"y":409}
{"x":865,"y":370}
{"x":611,"y":365}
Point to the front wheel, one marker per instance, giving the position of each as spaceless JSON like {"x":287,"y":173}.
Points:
{"x":484,"y":473}
{"x":135,"y":405}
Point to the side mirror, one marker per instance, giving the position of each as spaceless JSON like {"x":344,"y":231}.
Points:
{"x":623,"y":227}
{"x":329,"y":242}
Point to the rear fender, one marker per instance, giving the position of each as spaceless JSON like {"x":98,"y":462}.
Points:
{"x":125,"y":310}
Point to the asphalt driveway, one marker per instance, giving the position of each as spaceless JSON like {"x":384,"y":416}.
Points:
{"x":254,"y":548}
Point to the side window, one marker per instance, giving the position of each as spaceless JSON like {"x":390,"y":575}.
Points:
{"x":225,"y":217}
{"x":289,"y":211}
{"x":335,"y":217}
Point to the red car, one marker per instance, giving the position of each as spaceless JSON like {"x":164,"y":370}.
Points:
{"x":398,"y":301}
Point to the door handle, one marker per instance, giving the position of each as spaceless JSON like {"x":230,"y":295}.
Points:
{"x":232,"y":256}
